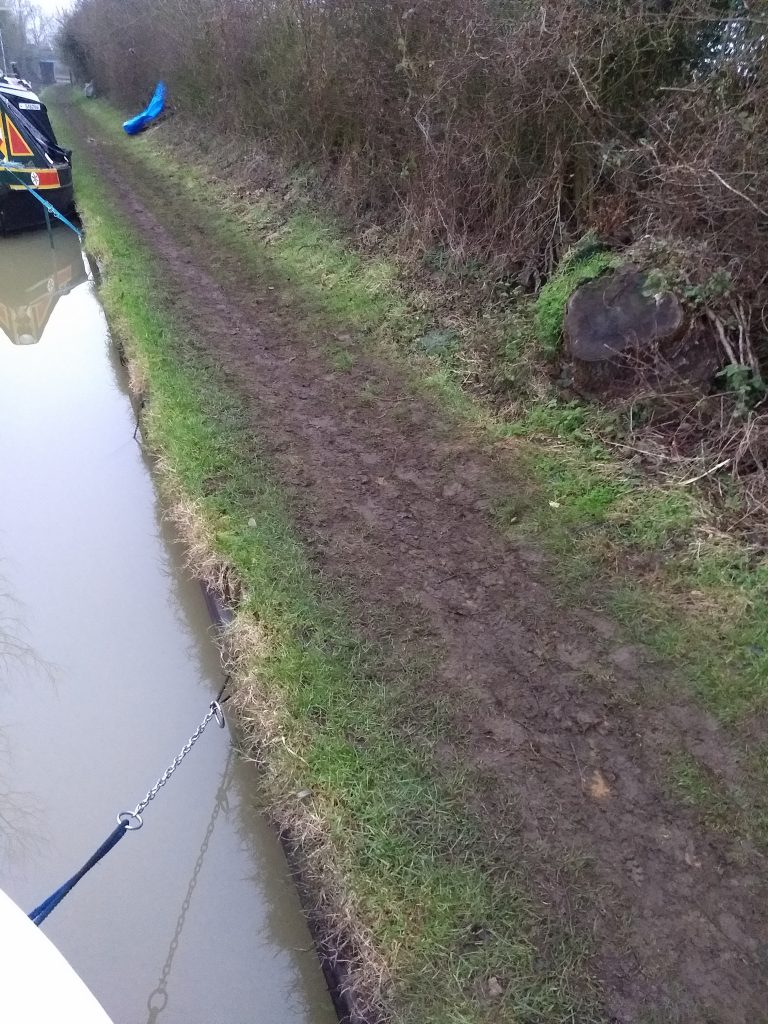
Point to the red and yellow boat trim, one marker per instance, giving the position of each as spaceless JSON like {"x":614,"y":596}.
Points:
{"x":12,"y":142}
{"x":13,"y":146}
{"x":39,"y":178}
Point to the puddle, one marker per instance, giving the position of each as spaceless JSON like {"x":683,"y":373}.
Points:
{"x":106,"y":667}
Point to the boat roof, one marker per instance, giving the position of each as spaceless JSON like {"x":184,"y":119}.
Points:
{"x":26,"y":135}
{"x":13,"y":90}
{"x":13,"y":86}
{"x":39,"y":986}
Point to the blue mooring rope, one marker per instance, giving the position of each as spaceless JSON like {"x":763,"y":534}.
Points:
{"x":39,"y":914}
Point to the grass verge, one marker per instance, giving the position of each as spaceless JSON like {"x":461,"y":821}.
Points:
{"x":429,"y":902}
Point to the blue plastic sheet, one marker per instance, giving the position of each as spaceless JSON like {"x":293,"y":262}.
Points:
{"x":151,"y":112}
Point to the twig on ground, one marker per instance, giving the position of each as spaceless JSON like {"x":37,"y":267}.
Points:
{"x":707,"y":472}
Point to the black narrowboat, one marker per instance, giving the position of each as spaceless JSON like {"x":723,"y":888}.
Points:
{"x":30,"y":159}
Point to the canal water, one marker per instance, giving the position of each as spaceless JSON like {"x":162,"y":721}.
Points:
{"x":107,"y":665}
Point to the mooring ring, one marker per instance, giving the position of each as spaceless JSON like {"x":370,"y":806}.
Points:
{"x":161,"y":1004}
{"x":131,"y":821}
{"x":218,"y":714}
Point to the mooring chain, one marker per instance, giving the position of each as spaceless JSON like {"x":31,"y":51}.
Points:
{"x":132,"y":820}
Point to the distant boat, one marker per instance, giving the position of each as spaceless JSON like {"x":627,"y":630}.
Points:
{"x":39,"y":986}
{"x":30,"y":158}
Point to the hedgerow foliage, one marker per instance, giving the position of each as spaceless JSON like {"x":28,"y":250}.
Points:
{"x":499,"y":129}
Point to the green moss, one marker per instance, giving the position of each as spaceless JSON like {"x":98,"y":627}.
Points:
{"x":581,"y":266}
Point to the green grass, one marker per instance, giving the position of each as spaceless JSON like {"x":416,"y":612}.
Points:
{"x":729,"y":810}
{"x":342,"y":359}
{"x":619,"y":541}
{"x":699,"y":788}
{"x":447,"y":905}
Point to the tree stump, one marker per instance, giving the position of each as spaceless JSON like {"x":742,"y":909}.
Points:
{"x":618,"y":332}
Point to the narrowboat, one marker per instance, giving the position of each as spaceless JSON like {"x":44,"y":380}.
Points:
{"x":31,"y":160}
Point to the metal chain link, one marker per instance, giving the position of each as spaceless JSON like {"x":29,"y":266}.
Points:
{"x":133,"y":818}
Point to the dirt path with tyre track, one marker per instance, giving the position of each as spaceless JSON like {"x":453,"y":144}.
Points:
{"x":551,"y":708}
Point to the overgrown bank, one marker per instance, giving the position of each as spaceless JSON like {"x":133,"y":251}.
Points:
{"x":487,"y":127}
{"x":272,"y":244}
{"x":493,"y":137}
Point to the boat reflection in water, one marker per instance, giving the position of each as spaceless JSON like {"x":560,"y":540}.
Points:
{"x":36,"y":270}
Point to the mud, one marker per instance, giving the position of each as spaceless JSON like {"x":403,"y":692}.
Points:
{"x":552,"y":707}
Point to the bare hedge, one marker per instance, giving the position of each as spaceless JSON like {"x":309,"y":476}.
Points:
{"x":500,"y":129}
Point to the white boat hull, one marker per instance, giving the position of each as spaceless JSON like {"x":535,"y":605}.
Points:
{"x":38,"y":985}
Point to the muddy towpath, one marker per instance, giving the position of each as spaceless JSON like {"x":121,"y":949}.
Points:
{"x":564,"y":730}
